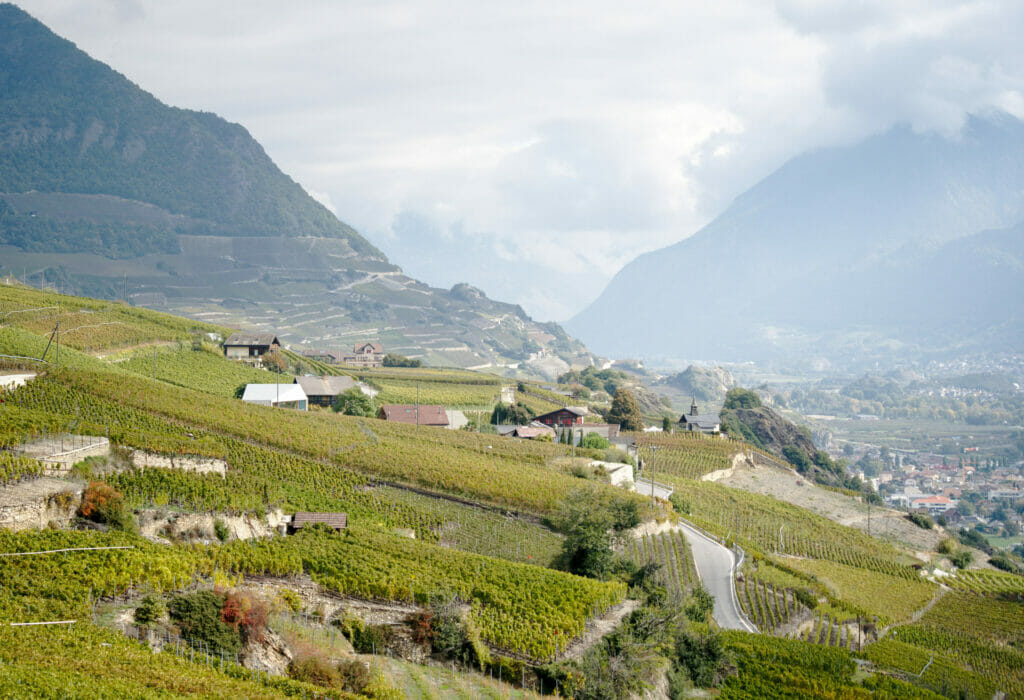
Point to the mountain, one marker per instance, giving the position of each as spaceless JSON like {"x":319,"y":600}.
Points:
{"x":907,"y":243}
{"x":106,"y":191}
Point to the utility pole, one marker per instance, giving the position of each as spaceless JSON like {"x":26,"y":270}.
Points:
{"x":654,"y":449}
{"x":56,"y":333}
{"x":417,"y":405}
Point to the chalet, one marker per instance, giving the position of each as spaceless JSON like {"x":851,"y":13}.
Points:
{"x":280,"y":395}
{"x":564,"y":417}
{"x":249,"y":346}
{"x":322,"y":391}
{"x":366,"y":355}
{"x":325,"y":356}
{"x":335,"y":521}
{"x":695,"y":421}
{"x":424,"y":414}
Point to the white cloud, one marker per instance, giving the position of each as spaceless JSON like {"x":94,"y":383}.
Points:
{"x":540,"y":146}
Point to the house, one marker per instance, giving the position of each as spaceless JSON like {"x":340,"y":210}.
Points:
{"x":424,"y":414}
{"x":249,"y":346}
{"x":325,"y":356}
{"x":565,"y":417}
{"x":322,"y":391}
{"x":935,"y":505}
{"x":335,"y":521}
{"x":366,"y":355}
{"x":280,"y":395}
{"x":707,"y":423}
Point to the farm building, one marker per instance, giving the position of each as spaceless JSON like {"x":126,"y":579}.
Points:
{"x":325,"y":356}
{"x":705,"y":423}
{"x":366,"y":355}
{"x":322,"y":391}
{"x":430,"y":414}
{"x":563,"y":417}
{"x":336,"y":521}
{"x":247,"y":346}
{"x":527,"y":432}
{"x":280,"y":395}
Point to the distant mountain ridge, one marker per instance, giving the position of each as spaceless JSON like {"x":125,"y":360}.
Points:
{"x":908,"y":242}
{"x":70,"y":124}
{"x":105,"y":191}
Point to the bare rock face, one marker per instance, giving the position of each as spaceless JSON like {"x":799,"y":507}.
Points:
{"x":271,"y":655}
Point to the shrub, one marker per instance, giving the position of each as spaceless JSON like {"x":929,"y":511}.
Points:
{"x":1002,"y":561}
{"x":353,"y":675}
{"x":101,"y":503}
{"x":151,"y":609}
{"x":946,"y":546}
{"x":198,"y":615}
{"x":291,"y":599}
{"x":246,"y":615}
{"x":221,"y":530}
{"x":700,"y":605}
{"x":420,"y":626}
{"x":315,"y":669}
{"x":741,"y":398}
{"x":353,"y":402}
{"x":961,"y":559}
{"x":703,"y":657}
{"x":806,"y":598}
{"x":366,"y":639}
{"x":594,"y":441}
{"x":921,"y":520}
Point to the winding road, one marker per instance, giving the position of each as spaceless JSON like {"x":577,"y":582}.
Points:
{"x":715,"y":567}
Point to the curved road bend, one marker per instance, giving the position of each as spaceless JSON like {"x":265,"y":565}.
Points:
{"x":715,"y":568}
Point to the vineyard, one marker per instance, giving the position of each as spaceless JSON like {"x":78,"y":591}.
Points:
{"x":763,"y":524}
{"x":684,"y":455}
{"x":200,"y":370}
{"x":14,"y":469}
{"x":671,"y":552}
{"x":90,"y":324}
{"x":986,"y":581}
{"x":986,"y":618}
{"x":889,"y":598}
{"x":450,"y":394}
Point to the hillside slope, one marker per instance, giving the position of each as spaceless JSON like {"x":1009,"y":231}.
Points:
{"x":842,"y":254}
{"x":107,"y":192}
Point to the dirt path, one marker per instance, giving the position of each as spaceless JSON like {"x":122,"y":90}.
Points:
{"x":598,"y":628}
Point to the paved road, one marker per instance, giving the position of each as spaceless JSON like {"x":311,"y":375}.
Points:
{"x":715,"y":567}
{"x":643,"y":487}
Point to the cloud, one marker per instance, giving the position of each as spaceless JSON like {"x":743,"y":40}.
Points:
{"x":534,"y":148}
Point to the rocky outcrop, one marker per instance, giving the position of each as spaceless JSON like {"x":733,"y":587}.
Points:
{"x":188,"y":463}
{"x":270,"y":654}
{"x":37,"y":503}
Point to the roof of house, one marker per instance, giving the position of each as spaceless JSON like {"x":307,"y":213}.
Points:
{"x":576,"y":410}
{"x":374,"y":347}
{"x":533,"y":430}
{"x":932,"y":499}
{"x":252,"y":339}
{"x":336,"y":520}
{"x":706,"y":420}
{"x":273,"y":392}
{"x":428,"y":414}
{"x":325,"y":386}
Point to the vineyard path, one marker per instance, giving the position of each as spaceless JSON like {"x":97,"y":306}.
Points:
{"x":716,"y":566}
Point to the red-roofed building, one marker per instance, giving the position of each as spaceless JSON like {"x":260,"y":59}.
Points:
{"x":563,"y":417}
{"x":936,"y":505}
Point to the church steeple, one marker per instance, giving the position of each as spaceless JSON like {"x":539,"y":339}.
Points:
{"x":693,"y":406}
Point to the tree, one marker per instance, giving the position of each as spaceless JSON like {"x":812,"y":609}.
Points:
{"x":353,"y":402}
{"x":741,"y":398}
{"x":274,"y":360}
{"x":594,"y":441}
{"x":666,"y":424}
{"x":625,"y":411}
{"x":395,"y":360}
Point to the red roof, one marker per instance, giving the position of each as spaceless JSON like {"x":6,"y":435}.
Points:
{"x":429,"y":414}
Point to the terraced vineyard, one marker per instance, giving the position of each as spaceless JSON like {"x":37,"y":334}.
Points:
{"x":671,"y":552}
{"x":90,"y":324}
{"x":200,"y":370}
{"x":14,"y":469}
{"x":767,"y":607}
{"x":449,"y":394}
{"x":889,"y":598}
{"x":684,"y":455}
{"x":987,"y":618}
{"x":766,"y":525}
{"x":987,"y":581}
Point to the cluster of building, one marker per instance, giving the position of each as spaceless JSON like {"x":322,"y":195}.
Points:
{"x":251,"y":347}
{"x":937,"y":487}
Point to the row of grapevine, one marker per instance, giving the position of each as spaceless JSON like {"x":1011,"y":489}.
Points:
{"x":672,"y":553}
{"x":14,"y":468}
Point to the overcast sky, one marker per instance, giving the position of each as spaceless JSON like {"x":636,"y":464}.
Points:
{"x":534,"y":148}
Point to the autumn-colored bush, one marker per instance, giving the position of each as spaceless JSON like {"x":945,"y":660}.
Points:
{"x":102,"y":503}
{"x":246,"y":615}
